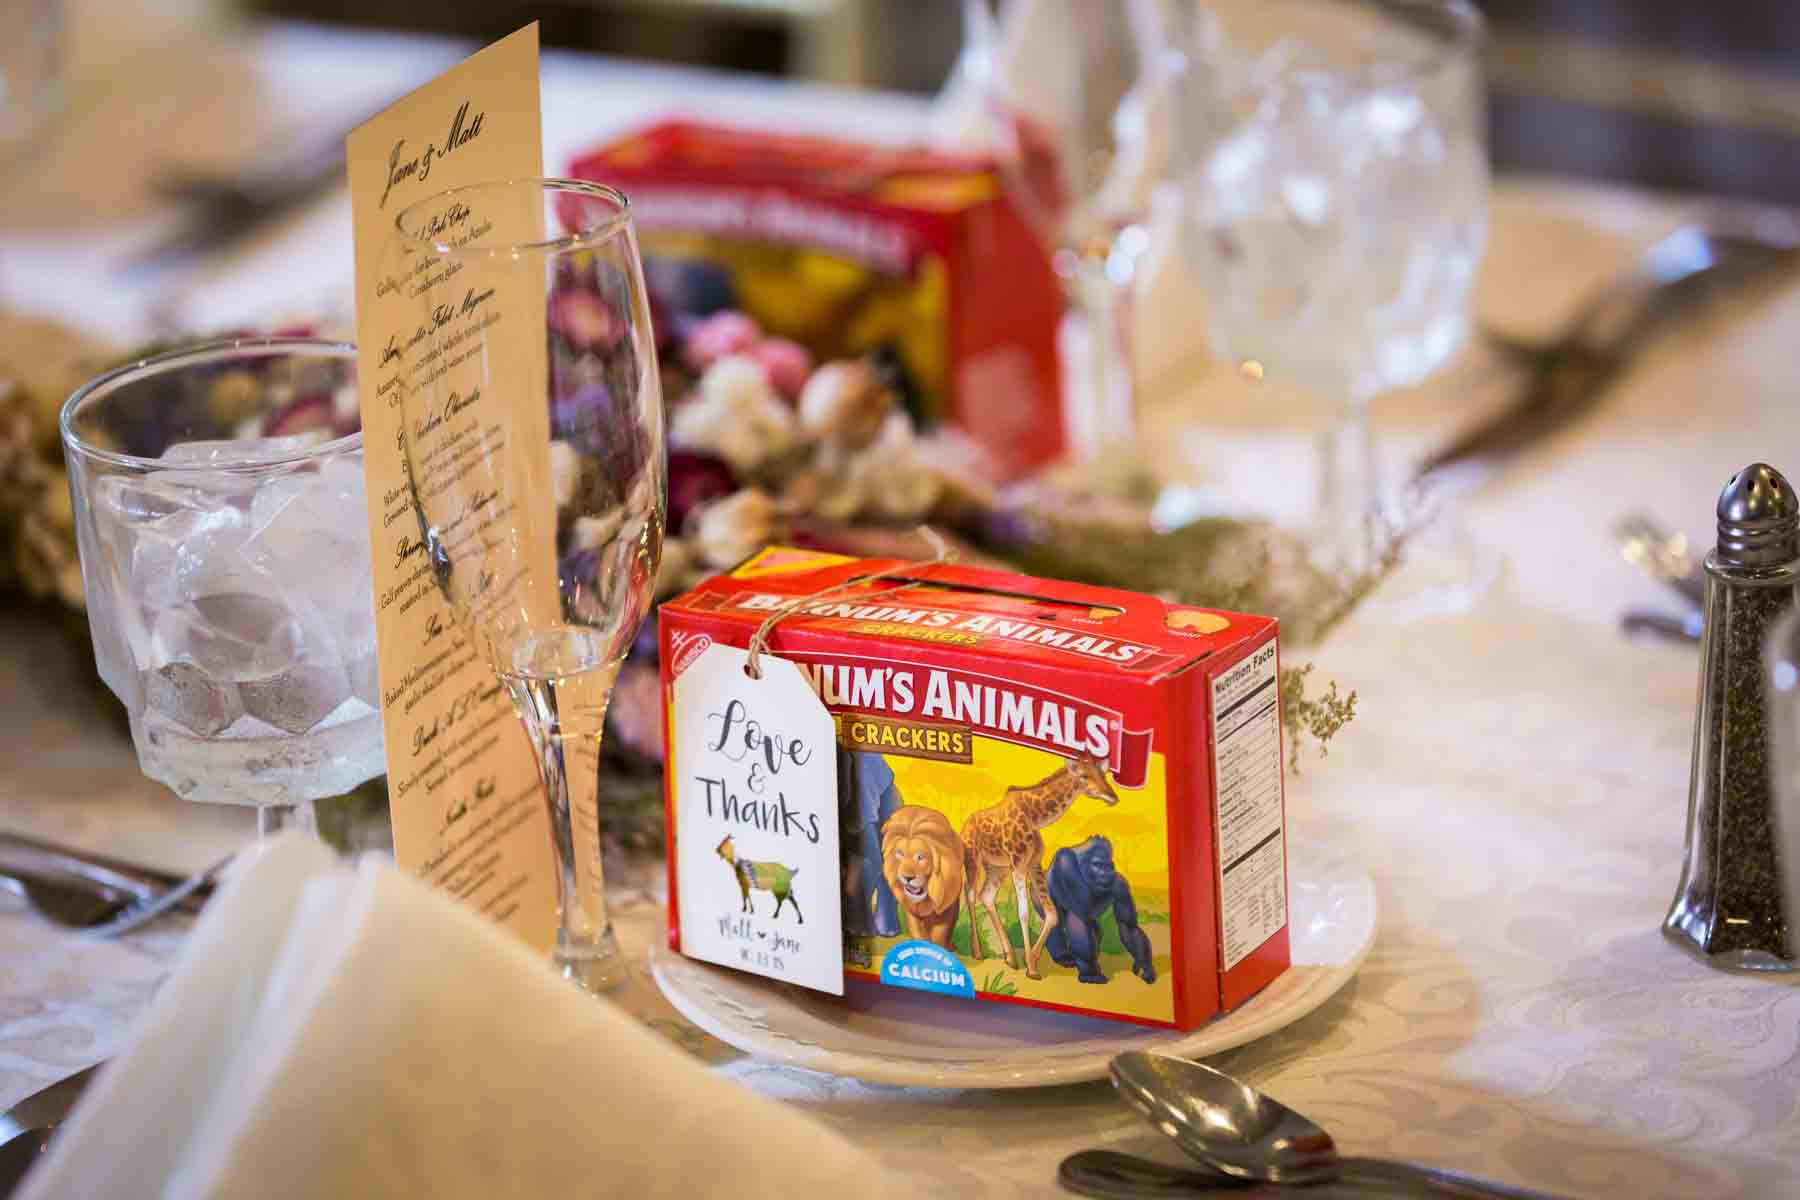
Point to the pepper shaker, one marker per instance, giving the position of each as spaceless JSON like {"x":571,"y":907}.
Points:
{"x":1728,"y":906}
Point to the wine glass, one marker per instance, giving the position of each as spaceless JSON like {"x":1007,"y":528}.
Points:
{"x":1335,"y":166}
{"x":223,"y":529}
{"x":1072,"y":93}
{"x":533,"y":443}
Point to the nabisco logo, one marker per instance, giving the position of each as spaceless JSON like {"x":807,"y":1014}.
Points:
{"x":684,"y":648}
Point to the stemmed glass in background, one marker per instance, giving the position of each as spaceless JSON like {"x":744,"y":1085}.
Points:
{"x":31,"y":69}
{"x":1066,"y":91}
{"x":534,"y":447}
{"x":1335,"y":168}
{"x":220,"y":513}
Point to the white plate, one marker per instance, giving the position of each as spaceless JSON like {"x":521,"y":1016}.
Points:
{"x":891,"y":1035}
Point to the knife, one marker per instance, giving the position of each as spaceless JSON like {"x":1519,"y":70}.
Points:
{"x":1570,"y":375}
{"x":1675,"y":627}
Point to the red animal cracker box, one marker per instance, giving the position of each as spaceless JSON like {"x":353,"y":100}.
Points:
{"x":1049,"y":794}
{"x":913,"y":255}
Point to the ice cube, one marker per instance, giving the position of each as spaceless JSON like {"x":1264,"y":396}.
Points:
{"x":274,"y":494}
{"x":191,"y":698}
{"x":343,"y":491}
{"x":120,"y":644}
{"x":299,"y":697}
{"x":313,"y":532}
{"x":235,"y":450}
{"x":162,"y":555}
{"x":1307,"y":196}
{"x":139,"y":522}
{"x":132,"y":498}
{"x":202,"y":490}
{"x":232,"y":635}
{"x":259,"y":632}
{"x":330,"y":499}
{"x":1386,"y":116}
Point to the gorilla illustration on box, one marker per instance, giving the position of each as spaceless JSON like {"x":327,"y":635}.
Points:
{"x":1083,"y":884}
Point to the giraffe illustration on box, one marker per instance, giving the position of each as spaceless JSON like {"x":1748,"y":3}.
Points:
{"x":1003,"y":839}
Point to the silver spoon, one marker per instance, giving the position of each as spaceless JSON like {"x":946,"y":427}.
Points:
{"x":18,"y":1156}
{"x":1238,"y":1131}
{"x":25,"y":1128}
{"x":102,"y":909}
{"x":65,"y":903}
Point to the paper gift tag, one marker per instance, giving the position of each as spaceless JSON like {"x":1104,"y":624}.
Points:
{"x":463,"y":787}
{"x":754,"y":763}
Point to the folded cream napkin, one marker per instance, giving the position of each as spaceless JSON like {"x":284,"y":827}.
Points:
{"x":335,"y":1030}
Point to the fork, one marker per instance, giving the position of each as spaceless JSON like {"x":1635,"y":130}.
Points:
{"x":1662,"y":554}
{"x":143,"y":911}
{"x":1569,"y":374}
{"x":100,"y":901}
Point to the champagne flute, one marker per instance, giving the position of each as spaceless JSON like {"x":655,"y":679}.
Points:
{"x":533,"y":442}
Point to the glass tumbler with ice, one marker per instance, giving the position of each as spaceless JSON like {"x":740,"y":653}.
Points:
{"x":223,"y":527}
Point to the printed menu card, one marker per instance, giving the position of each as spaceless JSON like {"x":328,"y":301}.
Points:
{"x":463,"y":785}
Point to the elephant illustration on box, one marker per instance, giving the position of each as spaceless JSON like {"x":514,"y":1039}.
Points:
{"x":867,"y":797}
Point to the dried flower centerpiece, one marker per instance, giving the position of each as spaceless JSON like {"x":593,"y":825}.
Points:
{"x":765,"y":445}
{"x":41,"y":363}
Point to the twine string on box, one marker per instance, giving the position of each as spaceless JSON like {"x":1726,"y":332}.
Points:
{"x":941,"y":553}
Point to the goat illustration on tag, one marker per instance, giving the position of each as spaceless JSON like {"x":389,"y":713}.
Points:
{"x":770,"y":877}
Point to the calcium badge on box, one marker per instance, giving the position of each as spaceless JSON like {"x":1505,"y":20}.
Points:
{"x":754,"y":762}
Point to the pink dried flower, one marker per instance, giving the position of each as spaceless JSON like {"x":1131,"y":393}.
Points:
{"x":719,"y":335}
{"x":634,"y":718}
{"x":586,"y":320}
{"x":788,"y":364}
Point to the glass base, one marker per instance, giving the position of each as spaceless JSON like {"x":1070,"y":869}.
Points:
{"x":1443,"y":569}
{"x":261,"y":770}
{"x":272,"y":819}
{"x":597,"y":966}
{"x":1741,"y":959}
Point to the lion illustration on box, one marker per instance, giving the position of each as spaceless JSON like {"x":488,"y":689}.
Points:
{"x":922,"y":861}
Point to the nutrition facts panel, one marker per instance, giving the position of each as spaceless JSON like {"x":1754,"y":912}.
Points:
{"x":1247,"y":781}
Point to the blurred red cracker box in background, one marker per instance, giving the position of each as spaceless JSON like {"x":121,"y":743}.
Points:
{"x":850,"y":249}
{"x":1104,"y":763}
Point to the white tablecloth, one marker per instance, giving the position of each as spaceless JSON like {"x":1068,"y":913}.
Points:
{"x":1515,"y":781}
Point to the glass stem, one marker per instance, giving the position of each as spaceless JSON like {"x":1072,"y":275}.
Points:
{"x":1349,"y":519}
{"x":565,"y":718}
{"x":272,"y":819}
{"x":1101,"y":289}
